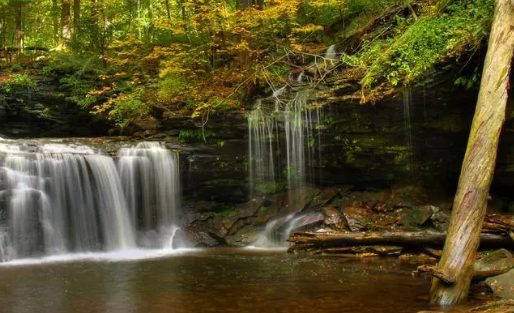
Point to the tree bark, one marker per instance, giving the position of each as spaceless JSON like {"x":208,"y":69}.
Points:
{"x":76,"y":17}
{"x":66,"y":21}
{"x":470,"y":202}
{"x":151,"y":26}
{"x":3,"y":29}
{"x":95,"y":27}
{"x":55,"y":21}
{"x":19,"y":26}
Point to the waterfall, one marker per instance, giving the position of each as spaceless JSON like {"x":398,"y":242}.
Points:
{"x":407,"y":105}
{"x":57,"y":199}
{"x":150,"y":178}
{"x":331,"y":52}
{"x":331,"y":55}
{"x":282,"y":142}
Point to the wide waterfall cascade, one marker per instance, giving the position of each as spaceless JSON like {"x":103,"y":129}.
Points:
{"x":57,"y":199}
{"x":282,"y":145}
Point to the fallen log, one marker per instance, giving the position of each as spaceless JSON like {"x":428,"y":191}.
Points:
{"x":396,"y":238}
{"x":347,"y":250}
{"x":496,"y":223}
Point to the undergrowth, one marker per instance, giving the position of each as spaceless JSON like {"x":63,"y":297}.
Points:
{"x":416,"y":45}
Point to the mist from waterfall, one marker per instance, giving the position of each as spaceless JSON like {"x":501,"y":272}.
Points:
{"x":57,"y":199}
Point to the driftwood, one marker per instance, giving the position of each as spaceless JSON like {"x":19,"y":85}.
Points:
{"x":396,"y":238}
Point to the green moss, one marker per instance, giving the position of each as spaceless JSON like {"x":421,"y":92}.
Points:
{"x":448,"y":124}
{"x":270,"y":187}
{"x":226,"y":212}
{"x":195,"y":135}
{"x":222,"y":182}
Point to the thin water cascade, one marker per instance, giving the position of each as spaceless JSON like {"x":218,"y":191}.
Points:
{"x":331,"y":52}
{"x":278,"y":230}
{"x":331,"y":56}
{"x":407,"y":113}
{"x":282,"y":144}
{"x":58,"y":199}
{"x":407,"y":105}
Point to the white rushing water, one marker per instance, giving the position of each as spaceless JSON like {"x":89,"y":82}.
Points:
{"x":57,"y":199}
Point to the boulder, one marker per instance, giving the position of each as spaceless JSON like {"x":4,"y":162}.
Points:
{"x":244,"y":237}
{"x":331,"y":216}
{"x":500,"y":260}
{"x":195,"y":237}
{"x":304,"y":222}
{"x":502,"y":285}
{"x":441,"y":220}
{"x":357,"y":218}
{"x":418,"y":216}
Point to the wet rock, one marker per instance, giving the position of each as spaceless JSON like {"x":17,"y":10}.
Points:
{"x":275,"y":203}
{"x":497,"y":261}
{"x":418,"y":216}
{"x":302,"y":199}
{"x":331,"y":216}
{"x":306,"y":222}
{"x":218,"y":226}
{"x":357,"y":218}
{"x":196,"y":237}
{"x":244,"y":237}
{"x":326,"y":196}
{"x":502,"y":285}
{"x":441,"y":220}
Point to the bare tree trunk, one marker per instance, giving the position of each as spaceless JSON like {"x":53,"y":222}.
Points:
{"x":469,"y":206}
{"x":4,"y":29}
{"x":168,"y":14}
{"x":66,"y":21}
{"x":19,"y":28}
{"x":76,"y":17}
{"x":151,"y":27}
{"x":95,"y":27}
{"x":55,"y":21}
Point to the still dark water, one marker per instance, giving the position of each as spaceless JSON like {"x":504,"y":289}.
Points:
{"x":212,"y":281}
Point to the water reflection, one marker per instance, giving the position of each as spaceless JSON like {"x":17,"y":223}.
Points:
{"x":212,"y":281}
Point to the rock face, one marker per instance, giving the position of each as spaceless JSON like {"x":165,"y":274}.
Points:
{"x":209,"y":224}
{"x":502,"y":285}
{"x":42,"y":111}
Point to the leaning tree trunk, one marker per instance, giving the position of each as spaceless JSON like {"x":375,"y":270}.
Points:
{"x":469,"y":206}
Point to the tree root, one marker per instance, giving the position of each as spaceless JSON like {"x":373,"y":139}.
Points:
{"x":433,"y":271}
